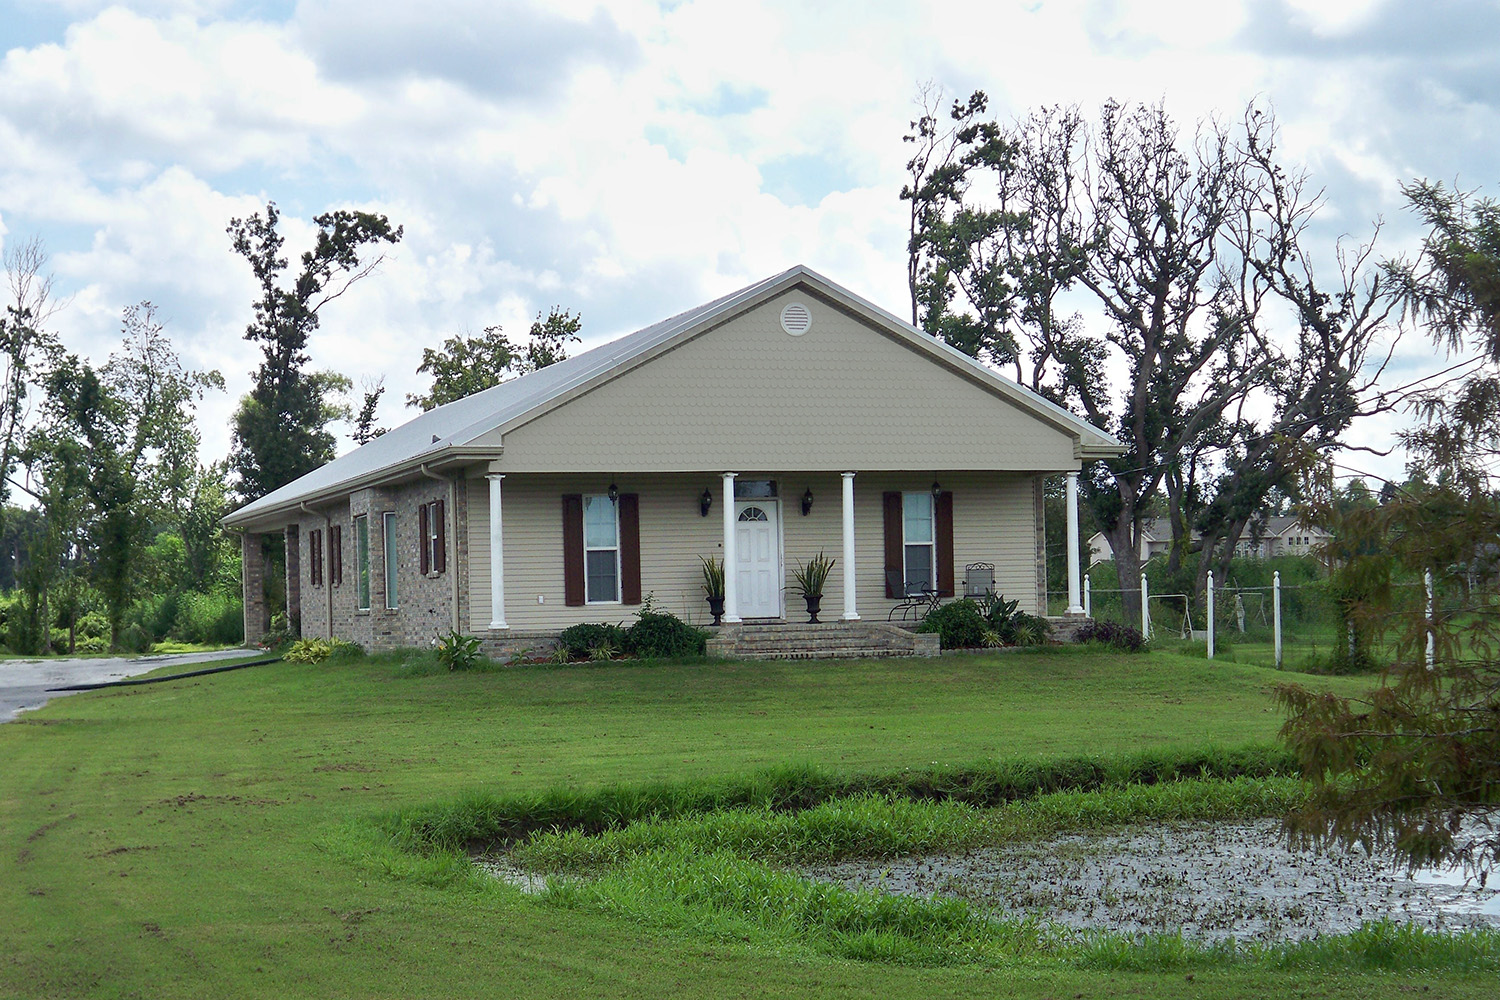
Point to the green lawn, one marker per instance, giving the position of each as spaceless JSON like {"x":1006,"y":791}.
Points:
{"x":175,"y":840}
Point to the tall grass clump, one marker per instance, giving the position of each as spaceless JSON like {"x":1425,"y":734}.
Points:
{"x":482,"y":820}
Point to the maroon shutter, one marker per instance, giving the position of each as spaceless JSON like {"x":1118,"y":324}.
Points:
{"x":312,"y":557}
{"x":630,"y":548}
{"x":315,"y":547}
{"x":894,"y":561}
{"x":424,"y":537}
{"x":336,"y":549}
{"x":944,"y":518}
{"x":441,"y":554}
{"x":572,"y":505}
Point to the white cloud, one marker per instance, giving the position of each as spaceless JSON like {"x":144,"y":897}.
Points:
{"x":625,"y":160}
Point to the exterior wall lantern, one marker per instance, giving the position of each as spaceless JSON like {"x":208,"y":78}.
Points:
{"x":807,"y":500}
{"x":937,"y":491}
{"x":705,"y":502}
{"x":614,"y":492}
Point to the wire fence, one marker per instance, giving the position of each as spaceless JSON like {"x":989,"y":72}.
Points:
{"x":1297,"y":626}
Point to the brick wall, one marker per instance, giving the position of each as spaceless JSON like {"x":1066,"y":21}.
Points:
{"x":424,"y":602}
{"x":253,"y":575}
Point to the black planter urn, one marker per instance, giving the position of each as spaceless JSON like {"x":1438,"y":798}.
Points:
{"x":716,"y":608}
{"x":814,"y":605}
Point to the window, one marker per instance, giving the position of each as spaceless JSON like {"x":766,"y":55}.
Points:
{"x":388,"y":520}
{"x":315,"y":557}
{"x":432,"y":542}
{"x":362,"y":560}
{"x":336,"y":555}
{"x":918,"y":538}
{"x":601,"y":550}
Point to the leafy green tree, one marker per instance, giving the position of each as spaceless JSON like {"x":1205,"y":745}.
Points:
{"x":1414,"y":765}
{"x":25,"y":345}
{"x":466,"y":365}
{"x":281,"y":426}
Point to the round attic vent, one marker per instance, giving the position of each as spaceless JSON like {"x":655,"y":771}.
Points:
{"x":796,"y":319}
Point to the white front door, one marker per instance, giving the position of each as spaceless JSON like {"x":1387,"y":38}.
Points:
{"x":757,"y":553}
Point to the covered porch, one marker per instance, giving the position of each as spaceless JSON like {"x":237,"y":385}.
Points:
{"x":647,"y":534}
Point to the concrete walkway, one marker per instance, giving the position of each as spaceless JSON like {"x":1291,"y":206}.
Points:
{"x":24,"y":683}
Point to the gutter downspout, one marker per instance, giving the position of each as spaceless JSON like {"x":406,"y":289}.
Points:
{"x":327,"y":583}
{"x":453,"y":508}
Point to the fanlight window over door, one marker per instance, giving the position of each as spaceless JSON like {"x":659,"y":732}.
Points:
{"x":753,"y":514}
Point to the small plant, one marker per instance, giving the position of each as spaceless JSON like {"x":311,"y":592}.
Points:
{"x":602,"y":651}
{"x":713,"y":577}
{"x":812,"y":575}
{"x":1028,"y":630}
{"x":457,"y":651}
{"x":560,"y":655}
{"x":308,"y":651}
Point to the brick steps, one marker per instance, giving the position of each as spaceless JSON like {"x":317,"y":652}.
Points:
{"x":829,"y":640}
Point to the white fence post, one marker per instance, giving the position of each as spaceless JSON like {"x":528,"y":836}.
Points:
{"x":1276,"y":614}
{"x":1145,"y":608}
{"x":1431,"y":638}
{"x":1210,"y":614}
{"x":1088,"y":600}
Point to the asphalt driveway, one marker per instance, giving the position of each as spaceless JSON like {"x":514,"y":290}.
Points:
{"x":24,"y":683}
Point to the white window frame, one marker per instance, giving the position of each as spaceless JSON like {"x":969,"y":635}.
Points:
{"x":388,"y":543}
{"x":931,"y":543}
{"x":587,"y":548}
{"x":362,"y":581}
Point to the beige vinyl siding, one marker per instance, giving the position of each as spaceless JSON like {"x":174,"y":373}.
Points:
{"x":993,"y":521}
{"x":842,"y":395}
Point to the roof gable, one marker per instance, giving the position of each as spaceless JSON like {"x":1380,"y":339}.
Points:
{"x":472,"y":424}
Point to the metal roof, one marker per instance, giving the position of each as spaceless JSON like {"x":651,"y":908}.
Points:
{"x":440,"y":432}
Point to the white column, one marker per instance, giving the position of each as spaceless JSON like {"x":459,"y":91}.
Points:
{"x":1210,"y":614}
{"x":1145,"y":608}
{"x":1075,"y":597}
{"x":731,"y":567}
{"x":1088,"y":602}
{"x":497,"y":557}
{"x":1276,"y":614}
{"x":850,"y":614}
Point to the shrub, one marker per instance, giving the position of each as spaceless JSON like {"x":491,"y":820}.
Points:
{"x":92,"y":644}
{"x":457,"y":651}
{"x":342,"y":650}
{"x":1121,"y":637}
{"x":94,"y":625}
{"x":578,"y":640}
{"x":959,"y":625}
{"x":216,"y":618}
{"x":663,"y":634}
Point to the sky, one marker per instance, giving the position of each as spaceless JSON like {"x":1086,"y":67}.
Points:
{"x":630,"y":160}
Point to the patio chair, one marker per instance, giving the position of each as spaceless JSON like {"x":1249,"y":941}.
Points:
{"x":915,"y":600}
{"x":979,"y":579}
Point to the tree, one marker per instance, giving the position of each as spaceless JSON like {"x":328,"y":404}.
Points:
{"x":466,"y":365}
{"x":280,"y":427}
{"x":1178,"y":245}
{"x":1413,"y":766}
{"x":159,"y":397}
{"x":365,"y":427}
{"x":24,"y":343}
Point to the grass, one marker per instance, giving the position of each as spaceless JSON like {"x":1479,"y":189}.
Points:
{"x":216,"y":835}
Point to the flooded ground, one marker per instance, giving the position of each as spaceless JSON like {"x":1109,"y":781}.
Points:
{"x":1211,"y":881}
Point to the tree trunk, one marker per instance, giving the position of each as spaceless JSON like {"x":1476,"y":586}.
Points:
{"x":1123,"y":540}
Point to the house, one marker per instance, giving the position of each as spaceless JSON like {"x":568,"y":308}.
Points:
{"x":788,"y":418}
{"x":1279,"y":535}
